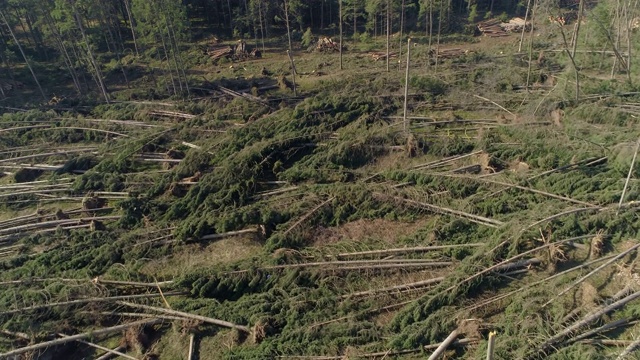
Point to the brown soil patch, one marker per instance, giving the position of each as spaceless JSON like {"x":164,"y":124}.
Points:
{"x":379,"y":229}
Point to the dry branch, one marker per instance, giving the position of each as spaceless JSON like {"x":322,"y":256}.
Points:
{"x":86,"y":335}
{"x":85,"y":301}
{"x":188,"y":316}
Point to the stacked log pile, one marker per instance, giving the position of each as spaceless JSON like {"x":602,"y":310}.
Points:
{"x":491,"y":28}
{"x":327,"y":44}
{"x":496,"y":28}
{"x":220,"y":52}
{"x":516,"y":25}
{"x":380,"y":55}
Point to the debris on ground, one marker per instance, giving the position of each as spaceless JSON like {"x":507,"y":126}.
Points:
{"x":327,"y":44}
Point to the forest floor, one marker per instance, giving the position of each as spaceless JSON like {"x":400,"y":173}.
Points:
{"x":246,"y":222}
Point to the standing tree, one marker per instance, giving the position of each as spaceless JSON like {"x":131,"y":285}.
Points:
{"x":26,"y":60}
{"x":164,"y":23}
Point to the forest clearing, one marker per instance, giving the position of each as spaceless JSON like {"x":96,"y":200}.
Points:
{"x":330,"y":179}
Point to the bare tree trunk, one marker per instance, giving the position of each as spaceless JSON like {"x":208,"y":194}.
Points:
{"x":575,"y":43}
{"x":388,"y":30}
{"x":533,"y":17}
{"x":131,"y":25}
{"x":293,"y":71}
{"x":401,"y":32}
{"x":35,"y":78}
{"x":439,"y":31}
{"x":286,"y":16}
{"x":103,"y":88}
{"x":166,"y":56}
{"x":63,"y":51}
{"x":262,"y":29}
{"x":526,"y":15}
{"x":355,"y":16}
{"x":406,"y":86}
{"x":340,"y":11}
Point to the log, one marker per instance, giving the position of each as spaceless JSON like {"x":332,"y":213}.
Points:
{"x":514,"y":258}
{"x":53,"y":223}
{"x":114,"y":352}
{"x":631,"y":347}
{"x":446,"y":211}
{"x":85,"y":301}
{"x":582,"y":279}
{"x":86,"y":335}
{"x":192,"y":347}
{"x":188,"y":316}
{"x":307,"y":215}
{"x":397,"y":251}
{"x":416,"y":284}
{"x":444,"y":345}
{"x":591,"y":317}
{"x":109,"y":354}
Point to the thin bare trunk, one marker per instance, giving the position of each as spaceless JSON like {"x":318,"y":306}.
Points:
{"x":131,"y":25}
{"x":35,"y":78}
{"x":340,"y":19}
{"x":96,"y":68}
{"x":388,"y":30}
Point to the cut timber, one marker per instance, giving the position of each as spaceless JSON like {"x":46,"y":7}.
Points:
{"x":83,"y":301}
{"x":188,"y":316}
{"x":87,"y":335}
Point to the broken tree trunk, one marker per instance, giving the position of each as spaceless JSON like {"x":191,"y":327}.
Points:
{"x":109,"y":351}
{"x":444,"y":345}
{"x":386,"y":252}
{"x":87,"y":335}
{"x":188,"y":316}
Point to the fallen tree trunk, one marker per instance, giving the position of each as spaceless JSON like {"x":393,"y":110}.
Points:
{"x":86,"y":335}
{"x":188,"y":316}
{"x":406,"y":250}
{"x":444,"y":345}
